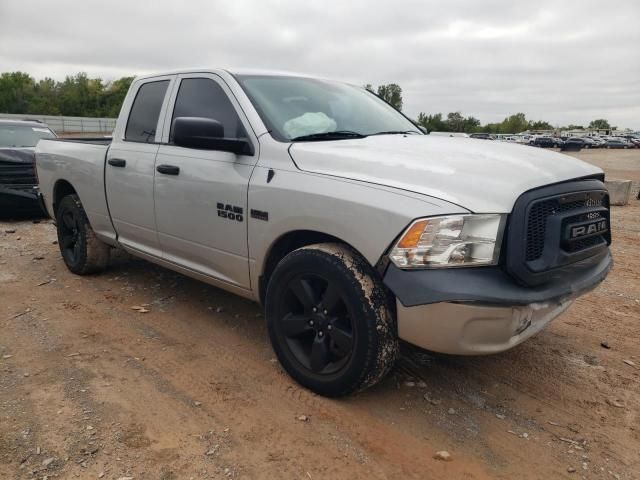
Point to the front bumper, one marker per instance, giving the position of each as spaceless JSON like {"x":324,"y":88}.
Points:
{"x":472,"y":329}
{"x":470,"y":311}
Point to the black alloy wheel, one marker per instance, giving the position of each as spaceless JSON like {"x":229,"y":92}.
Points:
{"x":315,"y":324}
{"x":69,"y":236}
{"x":330,"y":320}
{"x":81,"y":250}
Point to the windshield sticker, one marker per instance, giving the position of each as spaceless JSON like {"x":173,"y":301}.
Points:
{"x":37,"y":129}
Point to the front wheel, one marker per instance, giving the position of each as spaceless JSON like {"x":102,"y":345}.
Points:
{"x":330,"y":320}
{"x":81,"y":250}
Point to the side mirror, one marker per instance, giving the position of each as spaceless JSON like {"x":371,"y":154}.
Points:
{"x":207,"y":134}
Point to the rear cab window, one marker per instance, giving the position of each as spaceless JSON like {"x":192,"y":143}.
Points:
{"x":145,"y":111}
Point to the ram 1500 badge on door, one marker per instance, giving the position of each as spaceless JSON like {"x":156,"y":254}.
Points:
{"x":334,"y":211}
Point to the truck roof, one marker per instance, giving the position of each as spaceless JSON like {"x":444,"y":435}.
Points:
{"x":232,"y":71}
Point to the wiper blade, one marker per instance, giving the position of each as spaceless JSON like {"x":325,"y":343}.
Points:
{"x":396,"y":132}
{"x":335,"y":135}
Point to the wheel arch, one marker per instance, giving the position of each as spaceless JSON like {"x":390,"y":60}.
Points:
{"x":61,"y":189}
{"x":287,"y":243}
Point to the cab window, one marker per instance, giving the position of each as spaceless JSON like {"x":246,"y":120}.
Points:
{"x":203,"y":97}
{"x":145,"y":111}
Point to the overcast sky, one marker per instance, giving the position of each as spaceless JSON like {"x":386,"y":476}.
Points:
{"x":558,"y":60}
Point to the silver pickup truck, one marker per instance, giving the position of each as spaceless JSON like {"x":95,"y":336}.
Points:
{"x":329,"y":207}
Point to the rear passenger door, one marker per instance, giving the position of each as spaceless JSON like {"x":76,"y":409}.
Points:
{"x":130,"y":168}
{"x":201,"y":208}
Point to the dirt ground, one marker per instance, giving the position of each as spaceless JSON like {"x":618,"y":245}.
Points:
{"x":90,"y":388}
{"x":617,"y":164}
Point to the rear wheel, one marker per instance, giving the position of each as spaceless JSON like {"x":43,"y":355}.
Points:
{"x":330,"y":320}
{"x":81,"y":250}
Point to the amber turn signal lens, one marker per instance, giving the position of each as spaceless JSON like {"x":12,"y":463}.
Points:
{"x":412,"y":237}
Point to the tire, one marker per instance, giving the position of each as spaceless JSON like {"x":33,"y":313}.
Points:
{"x":330,"y":320}
{"x":81,"y":250}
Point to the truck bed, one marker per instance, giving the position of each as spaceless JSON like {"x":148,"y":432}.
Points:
{"x":77,"y":162}
{"x":89,"y":140}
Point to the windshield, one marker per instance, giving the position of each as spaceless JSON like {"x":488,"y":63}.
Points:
{"x":297,"y":107}
{"x":19,"y":136}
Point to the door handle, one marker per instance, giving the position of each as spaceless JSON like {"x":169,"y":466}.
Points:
{"x":168,"y":169}
{"x":117,"y":162}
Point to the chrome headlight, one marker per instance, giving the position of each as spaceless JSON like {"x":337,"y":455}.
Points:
{"x":450,"y":241}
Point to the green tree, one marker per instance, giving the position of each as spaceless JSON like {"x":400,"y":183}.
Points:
{"x":455,"y":122}
{"x":16,"y":92}
{"x":540,"y":125}
{"x":491,"y":128}
{"x":80,"y":95}
{"x":471,"y":125}
{"x":600,"y":123}
{"x":45,"y":99}
{"x":113,"y":96}
{"x":392,"y":93}
{"x":75,"y":95}
{"x":432,"y":123}
{"x":514,"y":124}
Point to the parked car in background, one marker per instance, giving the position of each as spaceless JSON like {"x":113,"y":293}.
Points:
{"x":618,"y":143}
{"x":504,"y":137}
{"x":636,"y":142}
{"x":18,"y":181}
{"x":543,"y":142}
{"x":631,"y":140}
{"x":558,"y":142}
{"x":589,"y":142}
{"x":573,"y":144}
{"x":482,"y":136}
{"x":524,"y":139}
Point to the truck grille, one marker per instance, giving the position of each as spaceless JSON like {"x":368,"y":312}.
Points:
{"x":540,"y":212}
{"x":552,"y":227}
{"x":17,"y":174}
{"x":584,"y":244}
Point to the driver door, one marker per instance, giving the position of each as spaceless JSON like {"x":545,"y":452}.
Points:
{"x":201,"y":195}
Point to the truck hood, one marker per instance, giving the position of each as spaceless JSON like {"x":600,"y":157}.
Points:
{"x":480,"y":175}
{"x":17,"y":155}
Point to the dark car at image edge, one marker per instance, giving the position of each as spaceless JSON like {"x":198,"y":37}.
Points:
{"x":18,"y":180}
